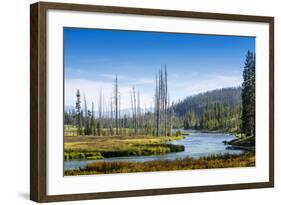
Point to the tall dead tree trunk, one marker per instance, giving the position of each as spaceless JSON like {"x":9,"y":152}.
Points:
{"x":138,"y":112}
{"x":119,"y":113}
{"x":157,"y":106}
{"x":135,"y":111}
{"x":93,"y":124}
{"x":99,"y":124}
{"x":116,"y":103}
{"x":165,"y":100}
{"x":161,"y":102}
{"x":86,"y":118}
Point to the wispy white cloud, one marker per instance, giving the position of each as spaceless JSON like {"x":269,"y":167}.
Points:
{"x":91,"y":89}
{"x":190,"y":85}
{"x":111,"y":76}
{"x":142,"y":81}
{"x":76,"y":70}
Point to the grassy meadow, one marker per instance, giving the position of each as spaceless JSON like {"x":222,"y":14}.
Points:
{"x":98,"y":147}
{"x":218,"y":161}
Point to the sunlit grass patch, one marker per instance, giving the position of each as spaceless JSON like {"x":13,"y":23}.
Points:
{"x":116,"y":146}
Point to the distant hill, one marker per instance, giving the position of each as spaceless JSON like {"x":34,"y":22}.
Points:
{"x":226,"y":96}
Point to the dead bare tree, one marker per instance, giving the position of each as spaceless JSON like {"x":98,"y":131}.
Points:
{"x":119,"y":113}
{"x":172,"y":116}
{"x":139,"y":123}
{"x":161,"y":102}
{"x":99,"y":124}
{"x":93,"y":124}
{"x":157,"y":106}
{"x":105,"y":115}
{"x":116,"y":103}
{"x":165,"y":100}
{"x":87,"y":130}
{"x":111,"y":116}
{"x":134,"y":110}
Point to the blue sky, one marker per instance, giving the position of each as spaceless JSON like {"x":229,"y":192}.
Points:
{"x":195,"y":63}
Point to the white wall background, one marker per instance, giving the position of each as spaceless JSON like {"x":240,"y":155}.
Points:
{"x":14,"y":101}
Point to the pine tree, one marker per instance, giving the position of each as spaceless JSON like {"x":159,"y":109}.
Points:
{"x":253,"y":96}
{"x":248,"y":96}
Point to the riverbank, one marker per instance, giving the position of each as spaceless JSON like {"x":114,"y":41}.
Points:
{"x":217,"y":161}
{"x":98,"y":147}
{"x":242,"y":142}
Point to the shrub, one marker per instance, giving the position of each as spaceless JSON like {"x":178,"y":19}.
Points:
{"x":178,"y":133}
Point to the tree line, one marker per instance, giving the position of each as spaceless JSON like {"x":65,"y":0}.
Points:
{"x":110,"y":120}
{"x":226,"y":109}
{"x":215,"y":117}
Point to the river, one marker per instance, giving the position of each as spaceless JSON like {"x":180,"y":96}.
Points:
{"x":198,"y":144}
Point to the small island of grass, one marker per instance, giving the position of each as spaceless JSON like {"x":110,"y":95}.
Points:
{"x":98,"y":147}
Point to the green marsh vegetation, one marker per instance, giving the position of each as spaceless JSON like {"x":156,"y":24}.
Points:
{"x":218,"y":161}
{"x":98,"y":147}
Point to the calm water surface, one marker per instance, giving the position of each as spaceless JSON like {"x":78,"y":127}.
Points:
{"x":196,"y":145}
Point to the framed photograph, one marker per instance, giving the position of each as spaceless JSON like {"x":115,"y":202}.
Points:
{"x":135,"y":102}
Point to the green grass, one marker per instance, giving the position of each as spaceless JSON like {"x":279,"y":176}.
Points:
{"x":70,"y":128}
{"x":70,"y":131}
{"x":82,"y":155}
{"x":79,"y":147}
{"x":218,"y":161}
